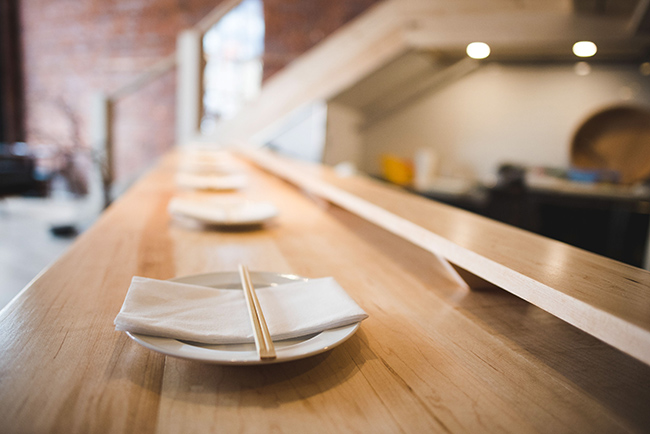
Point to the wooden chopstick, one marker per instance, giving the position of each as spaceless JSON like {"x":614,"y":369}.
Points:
{"x":263,"y":341}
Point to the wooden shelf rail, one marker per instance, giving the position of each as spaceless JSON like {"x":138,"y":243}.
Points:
{"x":605,"y":298}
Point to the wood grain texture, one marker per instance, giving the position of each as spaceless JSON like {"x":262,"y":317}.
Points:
{"x":605,"y":298}
{"x":432,"y":356}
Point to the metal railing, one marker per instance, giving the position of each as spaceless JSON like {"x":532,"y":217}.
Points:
{"x":188,"y":58}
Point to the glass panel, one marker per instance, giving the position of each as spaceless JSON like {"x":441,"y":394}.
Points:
{"x":233,"y":52}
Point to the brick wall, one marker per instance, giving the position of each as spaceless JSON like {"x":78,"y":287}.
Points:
{"x":294,"y":26}
{"x":74,"y":48}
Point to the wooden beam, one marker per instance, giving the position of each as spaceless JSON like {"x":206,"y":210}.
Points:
{"x":340,"y":61}
{"x":602,"y":297}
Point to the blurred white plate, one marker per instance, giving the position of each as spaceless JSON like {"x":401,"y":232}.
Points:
{"x":245,"y":354}
{"x":223,"y":181}
{"x":223,"y":211}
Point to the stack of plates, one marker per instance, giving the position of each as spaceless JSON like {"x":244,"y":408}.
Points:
{"x":210,"y":170}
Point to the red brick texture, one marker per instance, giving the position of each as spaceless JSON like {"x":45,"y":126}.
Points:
{"x":294,"y":26}
{"x":74,"y":48}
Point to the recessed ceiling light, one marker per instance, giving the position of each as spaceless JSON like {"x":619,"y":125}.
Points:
{"x":584,"y":49}
{"x":478,"y":50}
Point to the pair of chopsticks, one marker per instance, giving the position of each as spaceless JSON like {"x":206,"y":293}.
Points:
{"x":263,"y":341}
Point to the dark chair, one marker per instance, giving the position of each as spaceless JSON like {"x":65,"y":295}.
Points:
{"x":18,"y":176}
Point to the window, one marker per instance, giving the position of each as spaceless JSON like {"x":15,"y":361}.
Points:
{"x":233,"y":73}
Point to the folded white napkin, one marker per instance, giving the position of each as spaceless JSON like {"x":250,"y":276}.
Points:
{"x":223,"y":210}
{"x":203,"y":314}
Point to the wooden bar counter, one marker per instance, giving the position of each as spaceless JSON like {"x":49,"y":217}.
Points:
{"x":434,"y":355}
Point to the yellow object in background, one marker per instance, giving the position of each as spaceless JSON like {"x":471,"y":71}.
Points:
{"x":396,"y":170}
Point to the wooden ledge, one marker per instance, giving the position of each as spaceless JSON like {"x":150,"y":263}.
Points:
{"x":602,"y":297}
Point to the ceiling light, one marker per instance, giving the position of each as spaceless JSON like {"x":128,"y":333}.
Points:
{"x":584,"y":49}
{"x":478,"y":50}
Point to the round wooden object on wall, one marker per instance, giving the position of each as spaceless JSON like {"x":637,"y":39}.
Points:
{"x":616,"y":138}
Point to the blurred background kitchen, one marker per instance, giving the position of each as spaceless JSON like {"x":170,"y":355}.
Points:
{"x":535,"y":133}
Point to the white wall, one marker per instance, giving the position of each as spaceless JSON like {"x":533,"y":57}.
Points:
{"x":503,"y":113}
{"x":342,"y":140}
{"x":301,"y":134}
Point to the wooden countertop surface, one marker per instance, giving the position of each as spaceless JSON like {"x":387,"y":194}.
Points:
{"x":434,"y":356}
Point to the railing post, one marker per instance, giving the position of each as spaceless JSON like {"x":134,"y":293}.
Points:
{"x":189,"y":104}
{"x":102,"y":141}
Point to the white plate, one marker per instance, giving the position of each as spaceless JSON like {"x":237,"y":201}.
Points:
{"x":205,"y":166}
{"x":245,"y":354}
{"x":223,"y":211}
{"x":222,"y":181}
